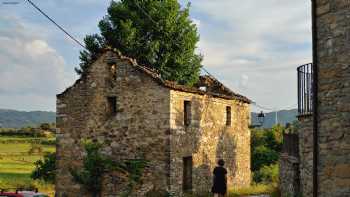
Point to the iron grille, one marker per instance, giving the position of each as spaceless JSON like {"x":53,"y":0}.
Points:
{"x":305,"y":81}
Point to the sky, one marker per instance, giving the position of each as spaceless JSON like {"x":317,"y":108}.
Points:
{"x":252,"y":46}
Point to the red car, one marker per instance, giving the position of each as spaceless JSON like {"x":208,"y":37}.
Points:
{"x":10,"y":194}
{"x":22,"y":194}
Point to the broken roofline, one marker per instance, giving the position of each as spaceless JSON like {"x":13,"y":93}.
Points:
{"x":169,"y":84}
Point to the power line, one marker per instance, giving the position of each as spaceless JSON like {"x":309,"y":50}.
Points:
{"x":57,"y":25}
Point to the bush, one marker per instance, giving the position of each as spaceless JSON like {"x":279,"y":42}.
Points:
{"x":45,"y":169}
{"x":267,"y":174}
{"x":262,"y":156}
{"x":266,"y":147}
{"x":96,"y":164}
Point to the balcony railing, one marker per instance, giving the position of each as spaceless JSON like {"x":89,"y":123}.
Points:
{"x":305,"y":81}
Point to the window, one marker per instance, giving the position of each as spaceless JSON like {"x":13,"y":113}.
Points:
{"x":187,"y":113}
{"x":113,"y":70}
{"x":112,"y":105}
{"x":187,"y":174}
{"x":228,"y":116}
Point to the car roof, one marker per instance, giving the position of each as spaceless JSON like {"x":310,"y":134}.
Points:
{"x":10,"y":194}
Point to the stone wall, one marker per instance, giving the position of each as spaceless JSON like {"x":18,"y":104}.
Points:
{"x":137,"y":130}
{"x":147,"y":122}
{"x":207,"y":139}
{"x":306,"y":155}
{"x":333,"y":49}
{"x":289,"y":175}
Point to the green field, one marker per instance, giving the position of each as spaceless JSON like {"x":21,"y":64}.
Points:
{"x":16,"y":162}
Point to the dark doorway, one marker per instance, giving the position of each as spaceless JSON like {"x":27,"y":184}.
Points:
{"x":187,"y":174}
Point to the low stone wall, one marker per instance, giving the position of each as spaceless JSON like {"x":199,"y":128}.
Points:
{"x":289,"y":166}
{"x":306,"y":155}
{"x":289,"y":176}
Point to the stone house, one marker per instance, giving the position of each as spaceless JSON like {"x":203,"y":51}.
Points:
{"x":182,"y":131}
{"x":324,"y":106}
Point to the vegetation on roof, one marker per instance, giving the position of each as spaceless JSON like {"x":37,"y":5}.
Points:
{"x":159,"y":34}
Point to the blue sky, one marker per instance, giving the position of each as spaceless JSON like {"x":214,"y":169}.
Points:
{"x":252,"y":46}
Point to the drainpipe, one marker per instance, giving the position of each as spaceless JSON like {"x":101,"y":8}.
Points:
{"x":315,"y":99}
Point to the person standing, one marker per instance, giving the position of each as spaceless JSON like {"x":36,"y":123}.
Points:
{"x":219,"y":188}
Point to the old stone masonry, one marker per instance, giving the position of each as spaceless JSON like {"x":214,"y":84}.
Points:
{"x":182,"y":131}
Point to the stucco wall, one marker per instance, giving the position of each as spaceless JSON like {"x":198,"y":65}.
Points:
{"x":333,"y":49}
{"x":138,"y":130}
{"x":207,"y":139}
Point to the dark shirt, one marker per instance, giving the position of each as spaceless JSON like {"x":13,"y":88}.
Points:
{"x":220,"y":185}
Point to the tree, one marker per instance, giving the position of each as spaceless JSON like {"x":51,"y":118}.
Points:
{"x":159,"y":34}
{"x":45,"y":169}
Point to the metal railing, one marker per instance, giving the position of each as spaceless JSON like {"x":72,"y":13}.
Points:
{"x":305,"y":80}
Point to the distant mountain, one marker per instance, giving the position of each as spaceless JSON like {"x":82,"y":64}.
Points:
{"x":18,"y":119}
{"x":283,"y":117}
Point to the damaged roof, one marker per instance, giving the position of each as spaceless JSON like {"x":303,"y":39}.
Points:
{"x":213,"y":87}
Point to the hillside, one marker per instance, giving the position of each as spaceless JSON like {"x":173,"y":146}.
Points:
{"x":18,"y":119}
{"x":284,"y":117}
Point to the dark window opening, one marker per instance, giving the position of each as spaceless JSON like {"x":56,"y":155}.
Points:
{"x":228,"y":116}
{"x":112,"y":105}
{"x":187,"y":113}
{"x":187,"y":174}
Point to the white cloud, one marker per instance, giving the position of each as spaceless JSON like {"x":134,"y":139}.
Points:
{"x":263,"y":41}
{"x":29,"y":68}
{"x":196,"y":22}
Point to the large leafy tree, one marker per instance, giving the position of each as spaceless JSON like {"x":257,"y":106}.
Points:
{"x":158,"y":33}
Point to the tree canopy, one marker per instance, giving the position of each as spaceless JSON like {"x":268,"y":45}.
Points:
{"x":157,"y":33}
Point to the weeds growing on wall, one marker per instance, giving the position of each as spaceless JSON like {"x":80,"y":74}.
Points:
{"x":95,"y":165}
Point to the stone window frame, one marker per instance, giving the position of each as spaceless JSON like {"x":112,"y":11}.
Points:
{"x":187,"y":112}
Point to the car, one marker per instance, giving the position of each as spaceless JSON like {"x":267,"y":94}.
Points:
{"x":10,"y":194}
{"x":22,"y":194}
{"x":32,"y":194}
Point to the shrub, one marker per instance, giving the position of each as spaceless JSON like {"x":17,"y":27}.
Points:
{"x":262,"y":156}
{"x":267,"y":174}
{"x":96,"y":164}
{"x":45,"y":169}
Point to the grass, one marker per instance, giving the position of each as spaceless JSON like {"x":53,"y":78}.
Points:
{"x":257,"y":189}
{"x":16,"y":163}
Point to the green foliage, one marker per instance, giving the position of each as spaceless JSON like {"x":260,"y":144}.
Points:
{"x":134,"y":168}
{"x":267,"y":174}
{"x":44,"y":130}
{"x":95,"y":165}
{"x":17,"y":119}
{"x":45,"y":169}
{"x":266,"y":148}
{"x":159,"y":34}
{"x":262,"y":156}
{"x":255,"y":190}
